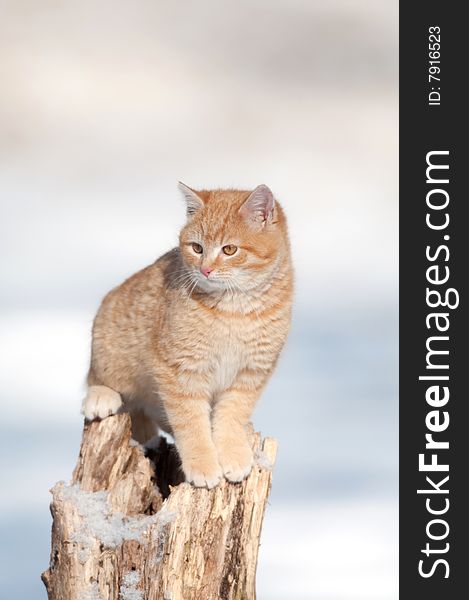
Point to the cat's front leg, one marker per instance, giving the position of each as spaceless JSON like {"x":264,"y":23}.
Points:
{"x":230,"y":419}
{"x":189,"y":417}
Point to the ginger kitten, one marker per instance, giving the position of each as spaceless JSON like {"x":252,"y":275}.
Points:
{"x":188,"y":343}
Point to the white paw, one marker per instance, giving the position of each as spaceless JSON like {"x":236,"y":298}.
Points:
{"x":236,"y":472}
{"x":100,"y":402}
{"x":236,"y":462}
{"x":200,"y":475}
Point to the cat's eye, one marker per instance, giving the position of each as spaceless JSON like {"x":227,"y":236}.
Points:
{"x":229,"y":249}
{"x":197,"y":248}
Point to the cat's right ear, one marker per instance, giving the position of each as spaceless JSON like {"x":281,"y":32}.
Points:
{"x":193,"y":200}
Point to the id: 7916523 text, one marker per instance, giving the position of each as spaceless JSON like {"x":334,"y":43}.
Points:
{"x":434,"y":68}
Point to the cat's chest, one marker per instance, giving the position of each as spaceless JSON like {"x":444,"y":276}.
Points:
{"x":225,"y":369}
{"x":228,"y":356}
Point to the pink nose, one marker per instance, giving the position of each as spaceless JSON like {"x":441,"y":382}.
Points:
{"x":206,"y":270}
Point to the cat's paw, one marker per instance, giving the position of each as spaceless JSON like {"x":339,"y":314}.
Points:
{"x":100,"y":402}
{"x":236,"y":460}
{"x":203,"y":472}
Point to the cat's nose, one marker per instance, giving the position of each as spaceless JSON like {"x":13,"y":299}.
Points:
{"x":206,"y":270}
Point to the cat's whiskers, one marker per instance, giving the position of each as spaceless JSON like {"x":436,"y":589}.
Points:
{"x":184,"y":284}
{"x":194,"y":285}
{"x":186,"y":274}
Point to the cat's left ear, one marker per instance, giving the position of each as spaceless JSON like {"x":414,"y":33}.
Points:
{"x":258,"y":209}
{"x":193,"y":200}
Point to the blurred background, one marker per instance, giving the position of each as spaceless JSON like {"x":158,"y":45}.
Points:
{"x":104,"y":106}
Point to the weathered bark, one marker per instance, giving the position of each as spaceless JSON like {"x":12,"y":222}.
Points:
{"x":127,"y":527}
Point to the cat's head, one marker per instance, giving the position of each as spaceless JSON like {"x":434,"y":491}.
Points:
{"x":233,"y":239}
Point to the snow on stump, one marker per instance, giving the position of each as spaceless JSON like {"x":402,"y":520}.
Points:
{"x":128,"y":528}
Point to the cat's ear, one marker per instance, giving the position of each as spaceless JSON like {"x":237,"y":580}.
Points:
{"x":258,"y":209}
{"x":193,"y":200}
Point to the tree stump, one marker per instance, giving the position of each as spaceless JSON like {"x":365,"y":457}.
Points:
{"x":128,"y":528}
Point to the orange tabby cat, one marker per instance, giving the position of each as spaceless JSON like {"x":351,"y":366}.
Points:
{"x":187,"y":344}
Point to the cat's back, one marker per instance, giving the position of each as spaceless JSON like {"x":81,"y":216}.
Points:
{"x":139,"y":300}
